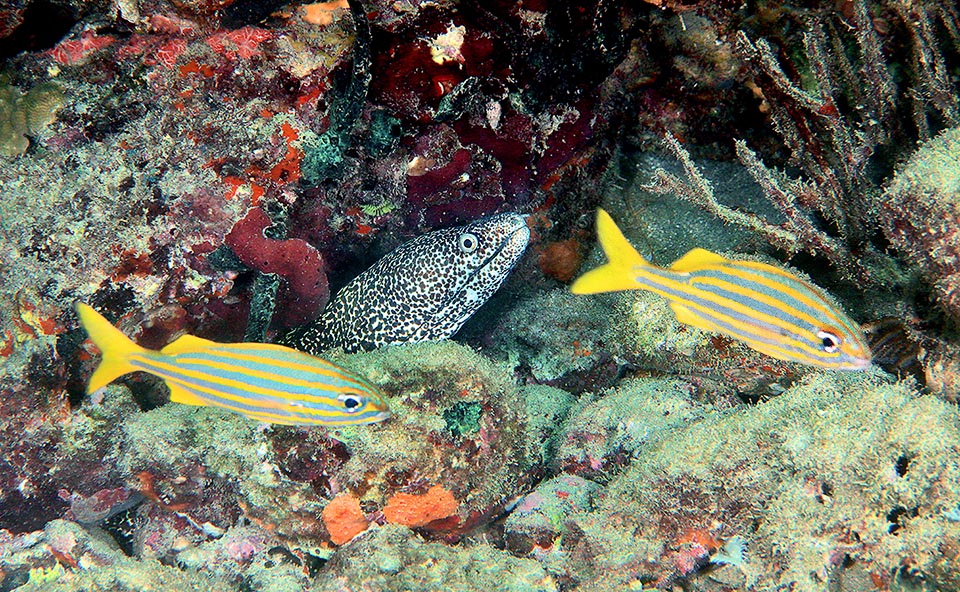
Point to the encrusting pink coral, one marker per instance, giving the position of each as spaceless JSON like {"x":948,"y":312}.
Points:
{"x":294,"y":260}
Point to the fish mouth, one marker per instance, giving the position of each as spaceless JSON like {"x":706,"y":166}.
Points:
{"x":379,"y":416}
{"x":862,"y":363}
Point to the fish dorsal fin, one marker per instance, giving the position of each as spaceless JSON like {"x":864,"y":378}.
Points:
{"x":187,"y":343}
{"x":695,"y":259}
{"x":179,"y":394}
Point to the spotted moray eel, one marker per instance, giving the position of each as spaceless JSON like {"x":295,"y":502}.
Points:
{"x":424,"y":290}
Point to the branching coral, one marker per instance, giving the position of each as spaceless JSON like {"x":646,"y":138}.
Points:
{"x":832,"y":122}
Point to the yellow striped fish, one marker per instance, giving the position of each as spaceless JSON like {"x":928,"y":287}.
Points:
{"x":769,"y":309}
{"x":263,"y":381}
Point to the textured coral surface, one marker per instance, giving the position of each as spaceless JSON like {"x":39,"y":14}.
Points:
{"x":221,"y":168}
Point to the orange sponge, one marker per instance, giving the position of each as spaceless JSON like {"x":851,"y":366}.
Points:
{"x":419,"y":510}
{"x":343,"y":518}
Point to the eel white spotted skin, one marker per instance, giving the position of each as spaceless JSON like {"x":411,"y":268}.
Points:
{"x":424,"y":290}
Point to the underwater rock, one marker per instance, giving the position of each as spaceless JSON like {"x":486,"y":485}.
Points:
{"x":65,"y":557}
{"x":587,"y":343}
{"x":537,"y":521}
{"x":562,"y":339}
{"x":604,"y":432}
{"x":921,"y":209}
{"x":48,"y":464}
{"x":394,"y":558}
{"x":458,"y":447}
{"x":841,"y":474}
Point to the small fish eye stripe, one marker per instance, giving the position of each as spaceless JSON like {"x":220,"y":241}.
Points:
{"x":785,"y":347}
{"x":285,"y":416}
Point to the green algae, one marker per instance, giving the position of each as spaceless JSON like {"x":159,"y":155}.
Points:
{"x":463,"y":418}
{"x":794,"y":477}
{"x":565,"y":340}
{"x":933,"y":171}
{"x":546,"y":409}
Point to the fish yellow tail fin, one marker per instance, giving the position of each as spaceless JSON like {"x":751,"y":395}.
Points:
{"x":616,"y":274}
{"x":116,"y":347}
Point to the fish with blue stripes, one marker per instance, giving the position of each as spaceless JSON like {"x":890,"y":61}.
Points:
{"x":770,"y":309}
{"x":262,"y":381}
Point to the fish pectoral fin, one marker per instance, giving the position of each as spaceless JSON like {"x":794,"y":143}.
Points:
{"x":187,"y":343}
{"x":688,"y":317}
{"x":695,"y":259}
{"x":179,"y":394}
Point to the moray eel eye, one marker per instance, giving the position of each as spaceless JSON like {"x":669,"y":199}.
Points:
{"x":468,"y":242}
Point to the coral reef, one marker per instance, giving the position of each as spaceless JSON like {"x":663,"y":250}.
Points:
{"x":920,"y":208}
{"x":778,"y":476}
{"x":393,"y":558}
{"x":26,"y":114}
{"x":220,"y":168}
{"x":294,"y":260}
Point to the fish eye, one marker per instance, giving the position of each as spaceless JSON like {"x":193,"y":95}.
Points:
{"x":828,"y":341}
{"x":351,"y":402}
{"x":468,"y":242}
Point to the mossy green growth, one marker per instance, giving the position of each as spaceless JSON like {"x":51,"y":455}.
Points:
{"x":547,"y":407}
{"x":395,"y":558}
{"x":463,"y":418}
{"x":623,"y":420}
{"x":816,"y":474}
{"x":23,"y":114}
{"x":383,"y":134}
{"x":933,"y":171}
{"x":556,"y":333}
{"x":322,"y":156}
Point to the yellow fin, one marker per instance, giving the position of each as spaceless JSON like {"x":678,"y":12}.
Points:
{"x":178,"y":394}
{"x":617,"y":273}
{"x":695,"y":259}
{"x":115,"y":346}
{"x":686,"y":316}
{"x":187,"y":343}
